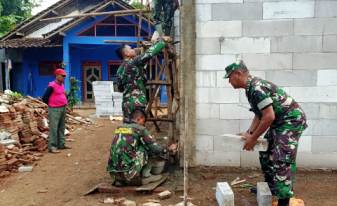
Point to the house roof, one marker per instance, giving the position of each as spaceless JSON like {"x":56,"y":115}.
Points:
{"x":35,"y":33}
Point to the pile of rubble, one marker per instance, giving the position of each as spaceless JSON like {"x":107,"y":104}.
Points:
{"x":24,"y":130}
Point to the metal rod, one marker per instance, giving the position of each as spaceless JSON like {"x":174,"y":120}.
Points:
{"x":131,"y":11}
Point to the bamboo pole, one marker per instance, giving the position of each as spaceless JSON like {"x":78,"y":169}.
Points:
{"x":131,"y":11}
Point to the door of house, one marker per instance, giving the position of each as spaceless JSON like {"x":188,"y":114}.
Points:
{"x":92,"y":71}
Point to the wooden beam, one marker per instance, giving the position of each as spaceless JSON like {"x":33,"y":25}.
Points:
{"x":131,"y":11}
{"x":54,"y":12}
{"x":120,"y":41}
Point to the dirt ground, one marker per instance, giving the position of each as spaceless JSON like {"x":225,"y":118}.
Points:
{"x":62,"y":179}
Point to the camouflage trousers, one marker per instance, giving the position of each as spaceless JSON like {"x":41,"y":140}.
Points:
{"x":278,"y":163}
{"x":133,"y":176}
{"x":162,"y":14}
{"x":131,"y":103}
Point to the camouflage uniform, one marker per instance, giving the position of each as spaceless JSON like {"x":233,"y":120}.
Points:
{"x":131,"y":147}
{"x":162,"y":14}
{"x":279,"y":162}
{"x":131,"y":79}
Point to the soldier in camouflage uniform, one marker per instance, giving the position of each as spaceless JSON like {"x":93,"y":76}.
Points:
{"x":163,"y":14}
{"x":131,"y":147}
{"x":282,"y":115}
{"x":131,"y":77}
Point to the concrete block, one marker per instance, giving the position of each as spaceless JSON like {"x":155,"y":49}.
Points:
{"x":326,"y":77}
{"x":245,"y":124}
{"x":213,"y":62}
{"x":217,"y":1}
{"x":224,"y":194}
{"x":226,"y":12}
{"x":225,"y":144}
{"x":250,"y":159}
{"x":312,"y":110}
{"x":263,"y":196}
{"x":242,"y":97}
{"x":217,"y":95}
{"x":315,"y":26}
{"x":235,"y":111}
{"x":206,"y":79}
{"x":204,"y":143}
{"x":321,"y":127}
{"x":317,"y":160}
{"x":324,"y":144}
{"x":245,"y":45}
{"x":292,"y":77}
{"x":330,"y":43}
{"x":288,"y":9}
{"x":328,"y":111}
{"x":326,"y":9}
{"x":217,"y":127}
{"x":267,"y":28}
{"x":305,"y":144}
{"x":314,"y":94}
{"x":275,"y":61}
{"x":211,"y":158}
{"x":219,"y":29}
{"x":221,"y":82}
{"x":208,"y":111}
{"x":315,"y":61}
{"x":207,"y":46}
{"x":296,"y":44}
{"x":203,"y":12}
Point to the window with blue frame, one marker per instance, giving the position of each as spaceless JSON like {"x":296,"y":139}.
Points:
{"x":47,"y":68}
{"x":113,"y":67}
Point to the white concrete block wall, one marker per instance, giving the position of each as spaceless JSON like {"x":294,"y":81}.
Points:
{"x":289,"y":42}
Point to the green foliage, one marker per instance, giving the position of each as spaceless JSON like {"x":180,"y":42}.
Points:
{"x":12,"y":12}
{"x":138,"y":5}
{"x":73,"y":98}
{"x":15,"y":96}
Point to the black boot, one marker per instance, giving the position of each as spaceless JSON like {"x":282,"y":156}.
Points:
{"x":283,"y":202}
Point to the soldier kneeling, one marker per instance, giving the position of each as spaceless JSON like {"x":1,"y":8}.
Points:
{"x":131,"y":147}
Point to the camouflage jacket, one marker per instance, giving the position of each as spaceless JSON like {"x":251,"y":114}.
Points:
{"x":262,"y":93}
{"x":128,"y":141}
{"x":131,"y":75}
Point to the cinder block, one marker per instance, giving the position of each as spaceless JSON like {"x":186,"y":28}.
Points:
{"x":314,"y":94}
{"x":208,"y":111}
{"x":217,"y":95}
{"x":245,"y":124}
{"x":219,"y":29}
{"x":237,"y":11}
{"x":317,"y":160}
{"x":208,"y":46}
{"x":203,"y":12}
{"x":305,"y":144}
{"x":245,"y":45}
{"x":330,"y":43}
{"x":225,"y":144}
{"x":217,"y":1}
{"x":315,"y":26}
{"x":206,"y":79}
{"x":267,"y":28}
{"x":224,"y":194}
{"x":217,"y":127}
{"x":324,"y":144}
{"x":250,"y":159}
{"x":263,"y":196}
{"x":213,"y":62}
{"x":326,"y":77}
{"x":235,"y":111}
{"x":321,"y":127}
{"x":292,"y":77}
{"x":275,"y":61}
{"x":311,"y":110}
{"x":326,"y":9}
{"x":296,"y":44}
{"x":315,"y":61}
{"x":211,"y":158}
{"x":242,"y":97}
{"x":328,"y":111}
{"x":288,"y":9}
{"x":204,"y":143}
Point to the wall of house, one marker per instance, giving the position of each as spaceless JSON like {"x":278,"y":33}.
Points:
{"x":291,"y":43}
{"x":26,"y":78}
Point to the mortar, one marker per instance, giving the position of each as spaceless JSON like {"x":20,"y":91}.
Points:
{"x":157,"y":166}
